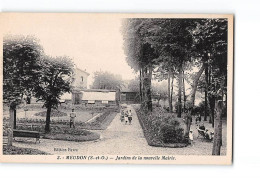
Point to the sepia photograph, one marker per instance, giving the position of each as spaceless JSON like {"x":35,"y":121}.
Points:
{"x":116,"y":88}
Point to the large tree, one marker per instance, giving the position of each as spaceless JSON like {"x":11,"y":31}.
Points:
{"x":20,"y":71}
{"x":140,"y":55}
{"x":55,"y":80}
{"x":211,"y":43}
{"x":107,"y":80}
{"x":173,"y":40}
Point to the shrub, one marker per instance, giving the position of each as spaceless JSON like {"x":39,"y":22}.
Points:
{"x":172,"y":133}
{"x":73,"y":135}
{"x":161,"y":128}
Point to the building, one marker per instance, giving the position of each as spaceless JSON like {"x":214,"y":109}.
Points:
{"x":80,"y":80}
{"x":99,"y":97}
{"x":79,"y":84}
{"x":129,"y":96}
{"x":90,"y":97}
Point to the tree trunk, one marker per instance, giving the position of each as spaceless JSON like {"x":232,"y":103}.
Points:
{"x":184,"y":95}
{"x":147,"y":82}
{"x":206,"y":92}
{"x":15,"y":118}
{"x":140,"y":86}
{"x":172,"y":91}
{"x":158,"y":102}
{"x":169,"y":92}
{"x":179,"y":91}
{"x":48,"y":120}
{"x":211,"y":100}
{"x":149,"y":92}
{"x":12,"y":110}
{"x":218,"y":129}
{"x":195,"y":84}
{"x":187,"y":121}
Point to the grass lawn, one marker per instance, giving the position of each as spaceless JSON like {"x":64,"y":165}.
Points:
{"x":60,"y":129}
{"x":22,"y":151}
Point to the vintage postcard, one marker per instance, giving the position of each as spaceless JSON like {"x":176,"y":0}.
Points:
{"x":116,"y":88}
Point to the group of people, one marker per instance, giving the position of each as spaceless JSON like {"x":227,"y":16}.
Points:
{"x":126,"y":116}
{"x":202,"y":130}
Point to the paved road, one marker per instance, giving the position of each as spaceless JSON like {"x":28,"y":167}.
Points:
{"x":119,"y":139}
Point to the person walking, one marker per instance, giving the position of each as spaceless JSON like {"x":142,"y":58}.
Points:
{"x":72,"y":118}
{"x":126,"y":117}
{"x":191,"y":137}
{"x":130,"y":117}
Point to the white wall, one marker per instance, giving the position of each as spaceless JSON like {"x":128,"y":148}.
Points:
{"x":78,"y":83}
{"x":103,"y":96}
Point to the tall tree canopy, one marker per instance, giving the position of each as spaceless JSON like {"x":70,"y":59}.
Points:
{"x":21,"y":57}
{"x":106,"y":80}
{"x":55,"y":80}
{"x":169,"y":47}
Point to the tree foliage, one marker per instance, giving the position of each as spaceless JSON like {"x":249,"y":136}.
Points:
{"x":106,"y":80}
{"x":159,"y":91}
{"x":169,"y":47}
{"x":21,"y":57}
{"x":55,"y":80}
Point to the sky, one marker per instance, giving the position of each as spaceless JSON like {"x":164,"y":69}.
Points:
{"x":94,"y":42}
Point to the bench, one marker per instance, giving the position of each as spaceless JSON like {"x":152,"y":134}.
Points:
{"x":203,"y":134}
{"x":27,"y":134}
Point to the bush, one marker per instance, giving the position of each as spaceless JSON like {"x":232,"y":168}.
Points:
{"x":161,"y":128}
{"x":60,"y":132}
{"x":73,"y":135}
{"x":172,"y":133}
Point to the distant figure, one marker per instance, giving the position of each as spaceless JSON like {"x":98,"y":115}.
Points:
{"x":72,"y":118}
{"x":208,"y":134}
{"x":130,"y":117}
{"x":191,"y":137}
{"x":126,"y":116}
{"x":202,"y":127}
{"x":122,"y":114}
{"x":197,"y":118}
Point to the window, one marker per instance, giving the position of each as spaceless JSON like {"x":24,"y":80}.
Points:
{"x":81,"y":78}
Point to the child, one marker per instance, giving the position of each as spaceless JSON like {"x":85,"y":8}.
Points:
{"x":122,"y":115}
{"x":129,"y":117}
{"x":126,"y":117}
{"x":191,"y":137}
